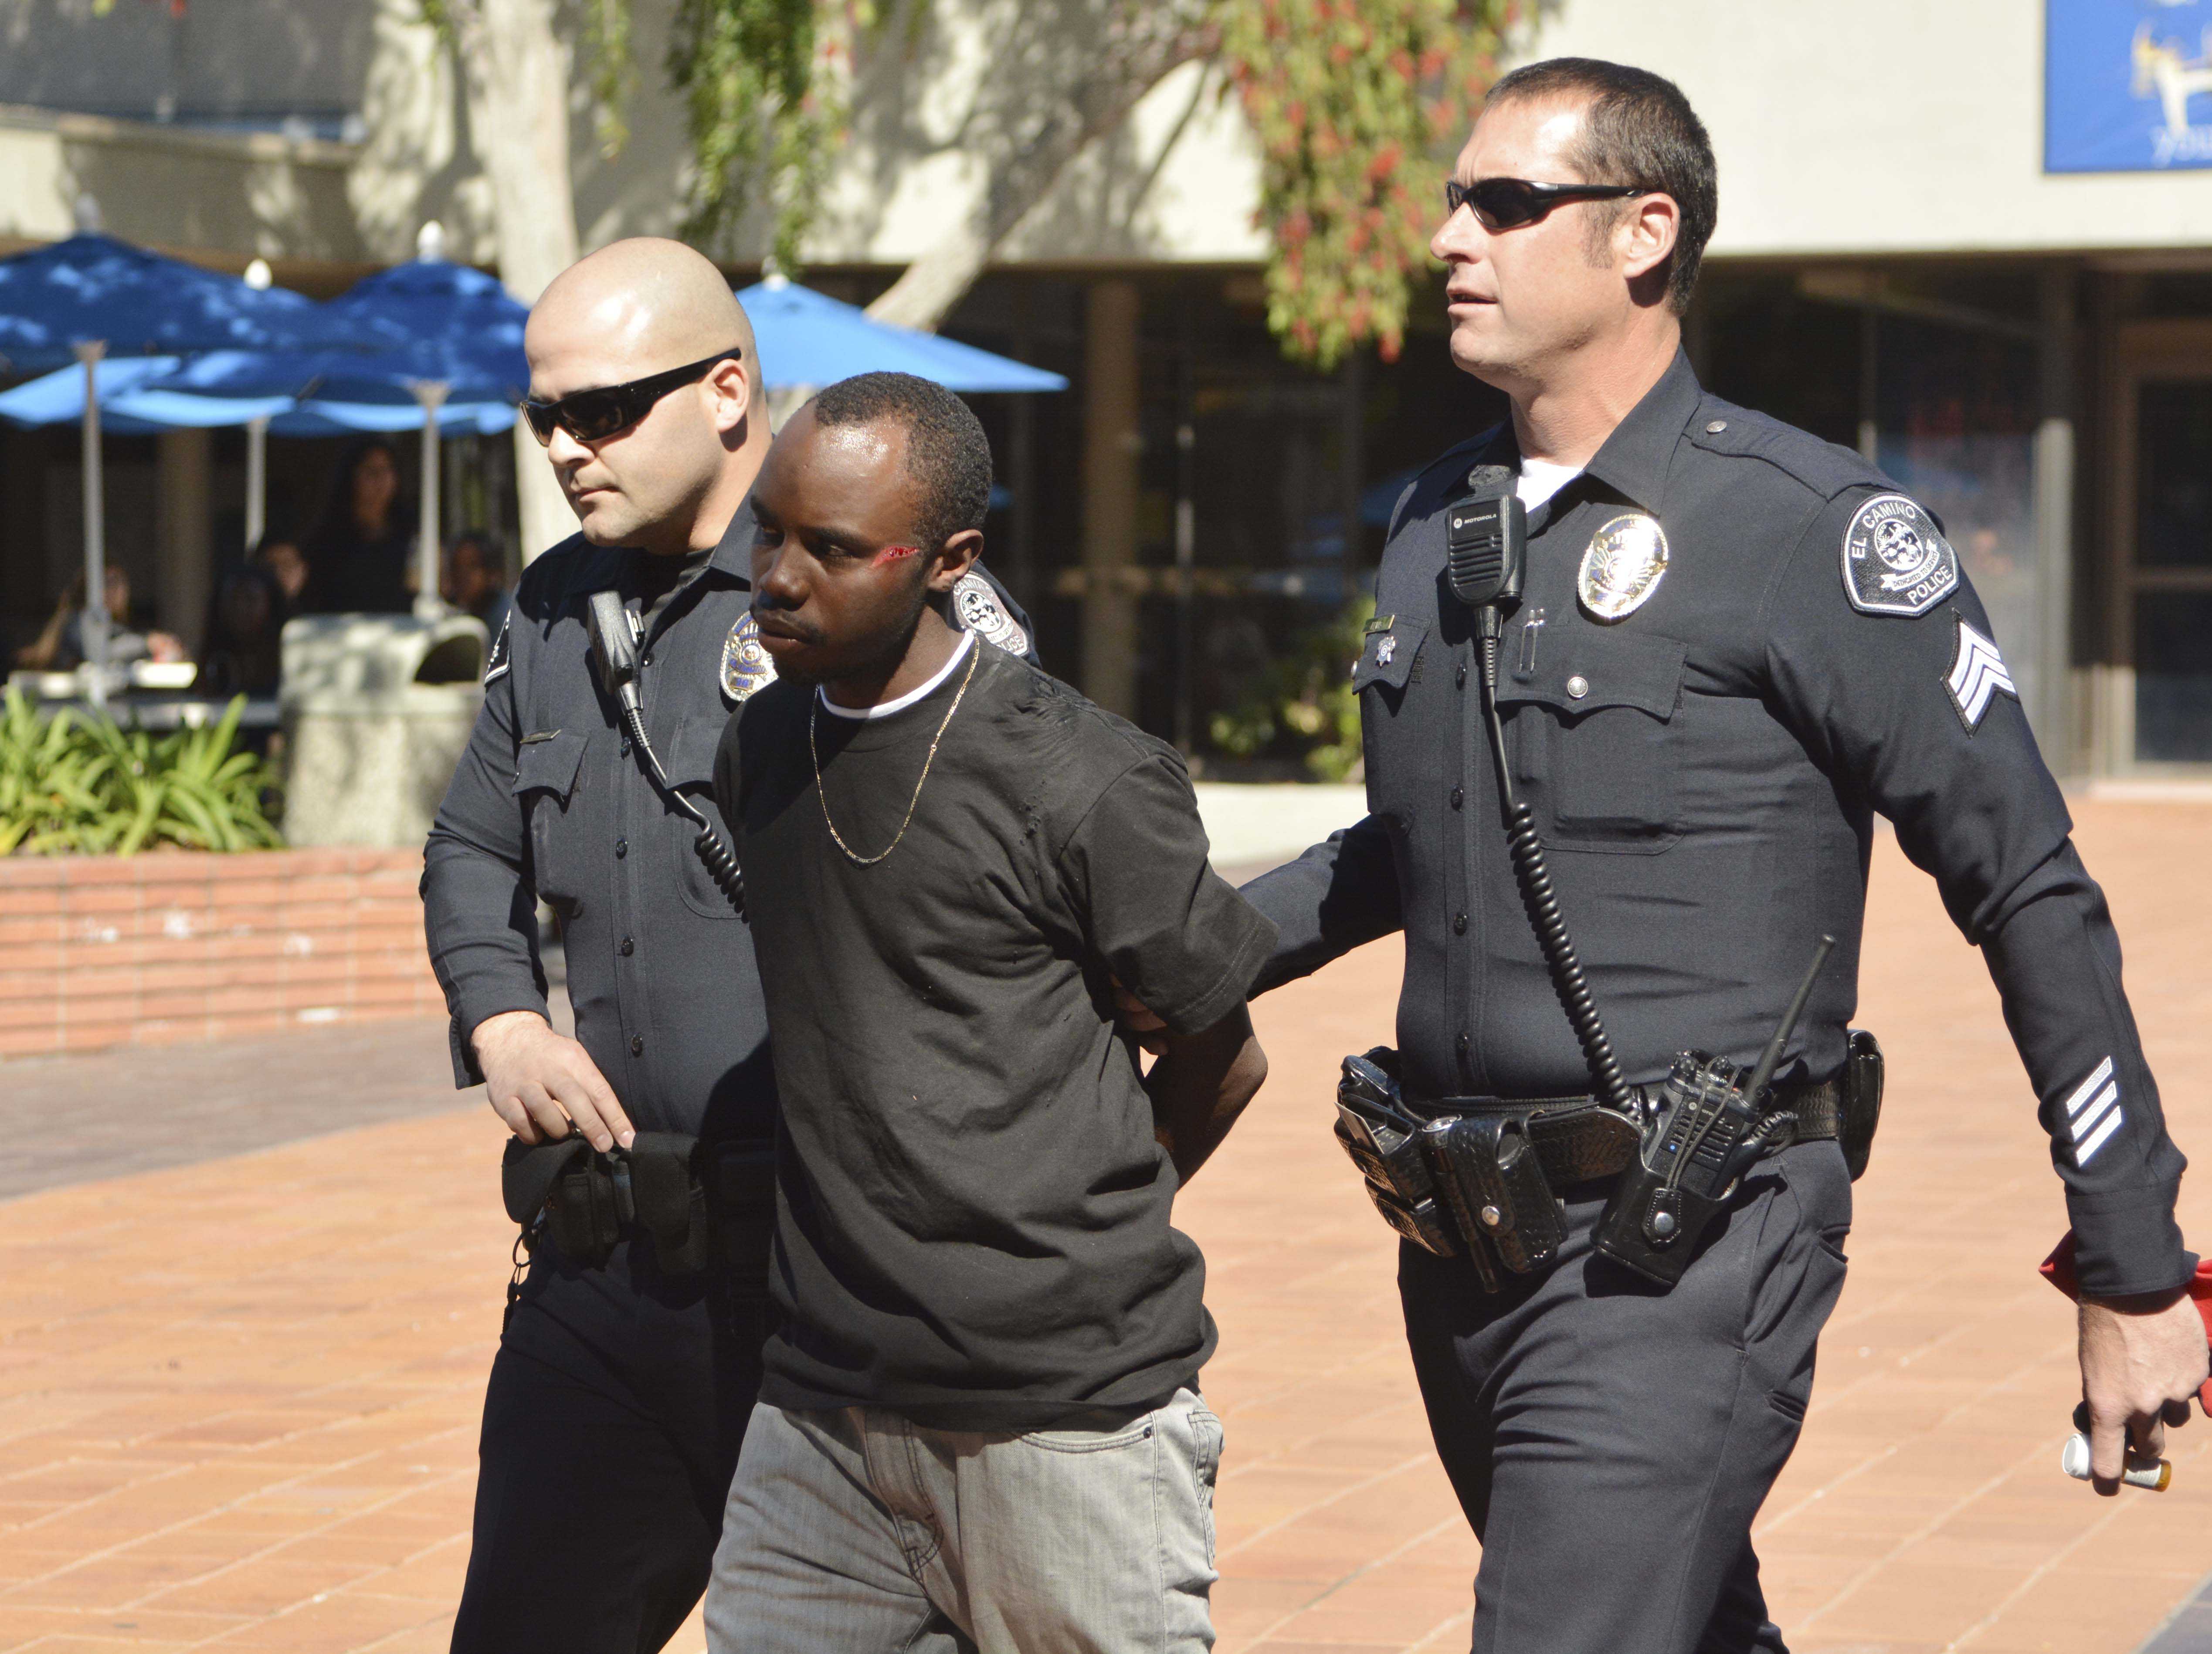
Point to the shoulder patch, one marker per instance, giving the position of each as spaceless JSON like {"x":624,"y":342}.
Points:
{"x":502,"y":655}
{"x":980,"y":612}
{"x":1896,"y":561}
{"x":1978,"y":675}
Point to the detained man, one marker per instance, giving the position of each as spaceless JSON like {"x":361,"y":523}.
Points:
{"x":980,"y":1426}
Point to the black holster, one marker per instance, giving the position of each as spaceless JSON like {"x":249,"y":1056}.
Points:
{"x":696,"y":1201}
{"x":1861,"y":1110}
{"x":1461,"y":1185}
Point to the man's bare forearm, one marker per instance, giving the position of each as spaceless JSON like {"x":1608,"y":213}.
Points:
{"x":1201,"y":1084}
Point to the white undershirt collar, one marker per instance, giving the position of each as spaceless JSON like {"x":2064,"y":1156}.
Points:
{"x":883,"y":709}
{"x":1540,"y":479}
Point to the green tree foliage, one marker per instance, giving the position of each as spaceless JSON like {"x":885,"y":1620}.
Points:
{"x":1355,"y":103}
{"x":1301,"y":704}
{"x":762,"y":81}
{"x":73,"y":785}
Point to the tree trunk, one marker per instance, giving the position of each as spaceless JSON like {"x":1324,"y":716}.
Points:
{"x":516,"y":68}
{"x":1105,"y":57}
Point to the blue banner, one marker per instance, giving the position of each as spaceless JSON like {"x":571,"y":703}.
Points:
{"x":2127,"y":85}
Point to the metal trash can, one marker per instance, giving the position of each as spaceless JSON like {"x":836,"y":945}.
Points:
{"x":376,"y":710}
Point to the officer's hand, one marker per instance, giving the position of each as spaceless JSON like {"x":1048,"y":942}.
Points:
{"x":1137,"y":1018}
{"x":2142,"y":1359}
{"x":538,"y":1081}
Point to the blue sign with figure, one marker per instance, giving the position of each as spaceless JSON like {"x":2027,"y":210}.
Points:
{"x":2127,"y":85}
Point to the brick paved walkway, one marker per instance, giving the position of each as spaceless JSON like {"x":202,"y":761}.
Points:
{"x":238,"y":1398}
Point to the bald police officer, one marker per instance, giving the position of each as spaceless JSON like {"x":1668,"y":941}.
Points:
{"x":624,"y":1376}
{"x":1736,"y":643}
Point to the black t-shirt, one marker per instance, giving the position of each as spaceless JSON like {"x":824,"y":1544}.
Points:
{"x":972,"y":1220}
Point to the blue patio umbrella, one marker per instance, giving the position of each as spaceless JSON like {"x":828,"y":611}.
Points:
{"x":458,"y":358}
{"x":141,"y":395}
{"x":80,"y":298}
{"x":808,"y":338}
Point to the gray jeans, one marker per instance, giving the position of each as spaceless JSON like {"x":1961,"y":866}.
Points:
{"x":862,"y":1532}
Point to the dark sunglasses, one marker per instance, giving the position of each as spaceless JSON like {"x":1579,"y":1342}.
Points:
{"x":1502,"y":204}
{"x":595,"y":415}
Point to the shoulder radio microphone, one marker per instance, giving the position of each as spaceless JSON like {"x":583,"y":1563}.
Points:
{"x":1487,"y":542}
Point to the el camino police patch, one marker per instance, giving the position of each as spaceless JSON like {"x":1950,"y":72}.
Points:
{"x":746,"y":668}
{"x":980,"y":612}
{"x":1622,"y":566}
{"x":1896,"y":561}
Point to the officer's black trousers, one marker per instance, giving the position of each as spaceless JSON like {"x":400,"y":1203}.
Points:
{"x":611,"y":1426}
{"x":1610,"y":1442}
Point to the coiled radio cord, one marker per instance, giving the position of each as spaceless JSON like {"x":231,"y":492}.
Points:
{"x":1526,"y":850}
{"x":720,"y":861}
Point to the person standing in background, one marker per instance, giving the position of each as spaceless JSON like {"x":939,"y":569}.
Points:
{"x":358,"y":556}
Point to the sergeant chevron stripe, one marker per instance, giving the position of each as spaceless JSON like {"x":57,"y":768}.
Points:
{"x":1978,"y":675}
{"x":2092,"y":1113}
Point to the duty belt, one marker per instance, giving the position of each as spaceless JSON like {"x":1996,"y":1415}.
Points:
{"x":1480,"y":1177}
{"x":698,"y":1203}
{"x":1578,"y":1137}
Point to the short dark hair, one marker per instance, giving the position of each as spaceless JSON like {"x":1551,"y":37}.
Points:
{"x":1638,"y":129}
{"x":946,"y":453}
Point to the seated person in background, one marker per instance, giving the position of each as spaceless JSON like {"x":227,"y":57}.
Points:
{"x":280,"y":556}
{"x":60,"y":645}
{"x":241,"y":655}
{"x":471,"y":579}
{"x":359,"y":554}
{"x":980,"y":1426}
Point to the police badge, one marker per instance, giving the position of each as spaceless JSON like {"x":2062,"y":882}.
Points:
{"x":746,"y":668}
{"x":1896,"y":561}
{"x":977,"y":608}
{"x":1622,"y":566}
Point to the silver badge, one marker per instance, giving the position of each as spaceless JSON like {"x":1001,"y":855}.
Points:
{"x":980,"y":612}
{"x":746,"y":667}
{"x":1384,"y":650}
{"x":1622,"y":566}
{"x":1896,"y":561}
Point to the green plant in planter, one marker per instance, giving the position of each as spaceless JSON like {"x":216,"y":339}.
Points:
{"x":71,"y":785}
{"x":1303,"y":703}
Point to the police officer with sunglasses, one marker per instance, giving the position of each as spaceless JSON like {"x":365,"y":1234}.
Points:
{"x":628,"y":1365}
{"x":1730,"y":645}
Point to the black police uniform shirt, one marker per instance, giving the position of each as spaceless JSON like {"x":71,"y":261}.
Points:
{"x":972,"y":1221}
{"x":1737,"y":643}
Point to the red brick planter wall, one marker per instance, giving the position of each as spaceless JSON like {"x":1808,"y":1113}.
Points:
{"x":101,"y":950}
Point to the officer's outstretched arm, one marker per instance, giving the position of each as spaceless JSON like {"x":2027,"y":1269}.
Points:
{"x":1899,"y":688}
{"x":1340,"y":894}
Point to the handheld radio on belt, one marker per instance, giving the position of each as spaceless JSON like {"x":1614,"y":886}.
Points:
{"x":1475,"y":1177}
{"x":614,"y":654}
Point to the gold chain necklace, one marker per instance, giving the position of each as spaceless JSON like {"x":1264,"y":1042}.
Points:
{"x":822,"y":792}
